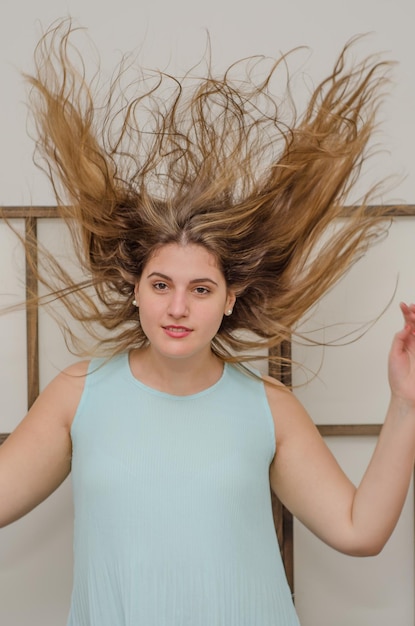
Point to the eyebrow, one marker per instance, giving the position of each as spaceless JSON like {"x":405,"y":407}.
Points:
{"x":192,"y":282}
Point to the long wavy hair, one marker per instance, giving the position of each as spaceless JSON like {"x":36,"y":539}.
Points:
{"x":211,"y":160}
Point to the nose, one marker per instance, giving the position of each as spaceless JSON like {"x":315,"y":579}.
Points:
{"x":178,"y":305}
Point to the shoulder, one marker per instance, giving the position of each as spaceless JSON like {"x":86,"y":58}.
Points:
{"x":63,"y":394}
{"x":72,"y":377}
{"x":278,"y":394}
{"x":289,"y":415}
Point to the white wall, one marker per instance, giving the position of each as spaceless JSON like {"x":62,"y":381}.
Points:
{"x":35,"y":553}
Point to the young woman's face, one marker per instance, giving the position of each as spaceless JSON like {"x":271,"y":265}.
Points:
{"x":182,"y":297}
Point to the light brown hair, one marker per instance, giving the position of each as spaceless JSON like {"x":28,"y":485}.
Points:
{"x":211,"y":160}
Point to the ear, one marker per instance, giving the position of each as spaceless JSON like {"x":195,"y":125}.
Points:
{"x":230,"y":302}
{"x":136,"y":297}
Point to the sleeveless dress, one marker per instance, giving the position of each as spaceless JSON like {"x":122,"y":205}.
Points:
{"x":173,"y":518}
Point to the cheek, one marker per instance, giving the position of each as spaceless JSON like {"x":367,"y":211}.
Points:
{"x":148,"y":307}
{"x":147,"y":310}
{"x":213,"y":318}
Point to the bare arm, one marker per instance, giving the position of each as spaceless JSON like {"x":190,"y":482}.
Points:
{"x":36,"y":457}
{"x":308,"y":480}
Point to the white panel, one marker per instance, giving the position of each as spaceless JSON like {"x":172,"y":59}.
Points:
{"x":53,"y":352}
{"x":334,"y":589}
{"x":13,"y":378}
{"x":352,"y":388}
{"x":351,"y":384}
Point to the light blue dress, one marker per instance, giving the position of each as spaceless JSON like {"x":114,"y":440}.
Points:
{"x":173,"y":518}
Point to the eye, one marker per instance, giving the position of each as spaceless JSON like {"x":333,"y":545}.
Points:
{"x":160,"y":286}
{"x":201,"y":291}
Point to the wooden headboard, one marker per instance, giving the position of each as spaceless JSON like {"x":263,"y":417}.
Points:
{"x":282,"y":518}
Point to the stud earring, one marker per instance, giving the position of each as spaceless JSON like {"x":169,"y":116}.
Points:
{"x":135,"y":303}
{"x":228,"y":312}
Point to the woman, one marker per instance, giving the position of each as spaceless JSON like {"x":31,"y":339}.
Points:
{"x":197,"y":228}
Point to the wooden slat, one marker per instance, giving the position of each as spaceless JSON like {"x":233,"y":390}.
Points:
{"x":32,"y":347}
{"x":283,"y":520}
{"x":349,"y":430}
{"x":11,"y":212}
{"x":21,"y":212}
{"x":388,"y":210}
{"x":281,"y":369}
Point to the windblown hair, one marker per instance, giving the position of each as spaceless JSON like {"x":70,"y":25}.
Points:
{"x":206,"y":160}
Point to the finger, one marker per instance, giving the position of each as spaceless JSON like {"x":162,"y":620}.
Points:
{"x":403,"y":335}
{"x":408,"y":311}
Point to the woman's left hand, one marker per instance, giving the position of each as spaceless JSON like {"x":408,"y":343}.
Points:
{"x":402,"y":358}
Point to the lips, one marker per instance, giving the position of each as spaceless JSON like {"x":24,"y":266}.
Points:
{"x":177,"y":331}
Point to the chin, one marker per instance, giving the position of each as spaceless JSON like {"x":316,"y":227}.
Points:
{"x":181,"y":352}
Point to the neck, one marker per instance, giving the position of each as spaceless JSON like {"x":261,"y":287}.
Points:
{"x":175,"y":376}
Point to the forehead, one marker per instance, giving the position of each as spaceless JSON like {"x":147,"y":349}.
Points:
{"x":188,"y":258}
{"x":185,"y":262}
